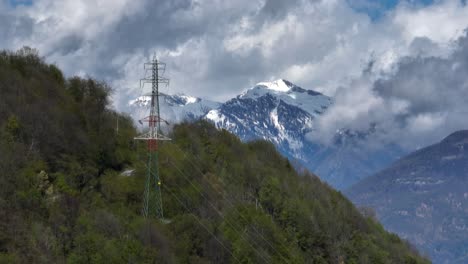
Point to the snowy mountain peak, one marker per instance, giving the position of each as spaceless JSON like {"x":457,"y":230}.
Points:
{"x":190,"y":99}
{"x":181,"y":99}
{"x":141,"y":101}
{"x":308,"y":100}
{"x":278,"y":85}
{"x":279,"y":111}
{"x":173,"y":100}
{"x":176,"y":107}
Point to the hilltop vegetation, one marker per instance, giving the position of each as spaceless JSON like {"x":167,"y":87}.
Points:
{"x":63,"y":198}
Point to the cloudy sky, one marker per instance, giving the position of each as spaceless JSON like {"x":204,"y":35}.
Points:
{"x":401,"y":64}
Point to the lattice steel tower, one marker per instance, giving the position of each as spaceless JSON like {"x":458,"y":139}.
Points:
{"x":152,"y":201}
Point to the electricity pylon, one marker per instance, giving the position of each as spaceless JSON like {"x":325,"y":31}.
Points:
{"x":152,"y":201}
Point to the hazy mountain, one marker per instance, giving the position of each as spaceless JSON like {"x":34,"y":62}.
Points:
{"x":424,"y":197}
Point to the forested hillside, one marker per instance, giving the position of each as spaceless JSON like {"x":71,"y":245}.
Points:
{"x":64,"y":199}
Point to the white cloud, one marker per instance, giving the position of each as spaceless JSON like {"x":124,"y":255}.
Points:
{"x":269,"y":37}
{"x":425,"y":122}
{"x":217,"y":48}
{"x":421,"y":101}
{"x":441,"y":22}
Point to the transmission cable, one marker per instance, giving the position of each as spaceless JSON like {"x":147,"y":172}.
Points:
{"x":232,"y":205}
{"x":235,"y":228}
{"x":200,"y":222}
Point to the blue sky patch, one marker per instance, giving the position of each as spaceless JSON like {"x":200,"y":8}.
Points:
{"x":16,"y":3}
{"x":376,"y":9}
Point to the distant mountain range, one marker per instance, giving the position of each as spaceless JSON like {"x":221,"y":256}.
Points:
{"x":284,"y":114}
{"x":424,"y":197}
{"x":175,"y":108}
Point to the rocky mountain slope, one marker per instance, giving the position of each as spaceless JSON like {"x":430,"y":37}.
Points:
{"x":279,"y":112}
{"x":424,"y":197}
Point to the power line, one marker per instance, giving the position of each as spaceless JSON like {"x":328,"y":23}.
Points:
{"x":199,"y":222}
{"x":232,"y":205}
{"x":235,"y":228}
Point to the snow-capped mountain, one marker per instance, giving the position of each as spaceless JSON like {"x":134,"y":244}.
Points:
{"x":284,"y":114}
{"x":279,"y":111}
{"x":174,"y":108}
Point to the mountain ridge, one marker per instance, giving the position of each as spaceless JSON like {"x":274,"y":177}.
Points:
{"x":434,"y":179}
